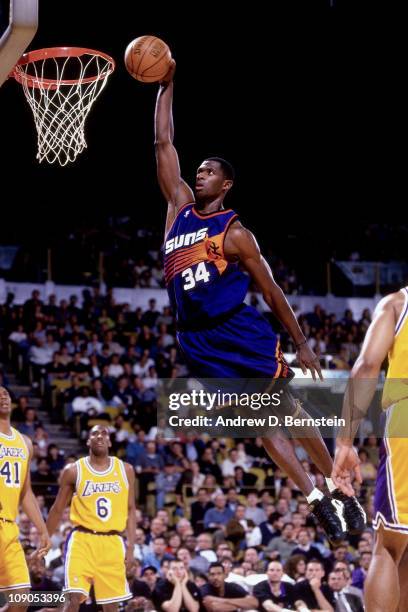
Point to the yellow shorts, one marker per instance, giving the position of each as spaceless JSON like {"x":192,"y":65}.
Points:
{"x":97,"y":560}
{"x":391,"y":494}
{"x":13,"y":567}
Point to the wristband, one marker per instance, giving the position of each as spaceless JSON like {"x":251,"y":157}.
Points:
{"x":300,"y":343}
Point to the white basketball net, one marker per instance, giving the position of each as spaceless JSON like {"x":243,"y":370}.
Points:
{"x":61,"y":92}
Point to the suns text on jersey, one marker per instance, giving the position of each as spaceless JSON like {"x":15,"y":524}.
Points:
{"x":185,"y":240}
{"x":92,"y":487}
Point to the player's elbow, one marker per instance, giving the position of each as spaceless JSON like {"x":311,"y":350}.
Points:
{"x":162,"y":142}
{"x":366,"y":367}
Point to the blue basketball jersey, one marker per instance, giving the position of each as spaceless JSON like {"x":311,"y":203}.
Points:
{"x":201,"y":283}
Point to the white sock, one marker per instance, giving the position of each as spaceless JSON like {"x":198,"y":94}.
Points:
{"x":330,"y":485}
{"x":315,"y":494}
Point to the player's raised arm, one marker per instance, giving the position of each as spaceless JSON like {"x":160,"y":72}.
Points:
{"x":63,"y":498}
{"x":174,"y":188}
{"x":241,"y":244}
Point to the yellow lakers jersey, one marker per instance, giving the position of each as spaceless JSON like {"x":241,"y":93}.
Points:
{"x":100,"y":500}
{"x":396,"y":384}
{"x":14,"y":457}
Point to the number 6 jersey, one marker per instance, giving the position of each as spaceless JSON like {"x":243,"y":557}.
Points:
{"x":13,"y":469}
{"x":201,"y":283}
{"x":100,"y":500}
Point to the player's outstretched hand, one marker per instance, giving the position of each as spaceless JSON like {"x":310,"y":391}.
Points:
{"x":346,"y":467}
{"x":44,"y":545}
{"x":170,"y":74}
{"x":309,"y":361}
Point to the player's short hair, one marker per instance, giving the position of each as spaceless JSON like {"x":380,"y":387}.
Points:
{"x":227,"y":168}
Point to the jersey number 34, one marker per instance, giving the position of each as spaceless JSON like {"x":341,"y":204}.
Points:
{"x":192,"y":278}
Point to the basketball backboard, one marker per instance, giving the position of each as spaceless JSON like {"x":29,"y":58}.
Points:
{"x":21,"y":26}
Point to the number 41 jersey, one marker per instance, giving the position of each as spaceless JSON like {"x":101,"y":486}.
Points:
{"x":13,"y":470}
{"x":201,"y":283}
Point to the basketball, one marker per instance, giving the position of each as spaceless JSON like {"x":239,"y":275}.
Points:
{"x":147,"y":59}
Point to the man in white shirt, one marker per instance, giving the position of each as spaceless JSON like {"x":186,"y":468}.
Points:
{"x":85,"y":402}
{"x":228,"y":465}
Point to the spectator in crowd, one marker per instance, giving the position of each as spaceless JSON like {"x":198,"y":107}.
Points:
{"x":368,"y":471}
{"x":253,"y":511}
{"x":360,"y":573}
{"x":209,"y":466}
{"x":140,"y":589}
{"x":176,"y":591}
{"x":243,"y":479}
{"x":30,"y":424}
{"x":273,"y":592}
{"x":159,"y":553}
{"x":192,"y":561}
{"x":44,"y":481}
{"x":228,"y":465}
{"x":217,"y":517}
{"x":345,"y":602}
{"x":199,"y":508}
{"x":205,"y":547}
{"x":157,"y":528}
{"x":316,"y":594}
{"x":295,"y":568}
{"x":305,"y":546}
{"x":166,"y":483}
{"x":150,"y":465}
{"x":150,"y":575}
{"x":221,"y":595}
{"x":141,"y":550}
{"x":282,"y":546}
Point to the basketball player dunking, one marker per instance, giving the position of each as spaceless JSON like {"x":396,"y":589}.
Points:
{"x":386,"y":585}
{"x":15,"y":488}
{"x":205,"y":246}
{"x":102,"y":490}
